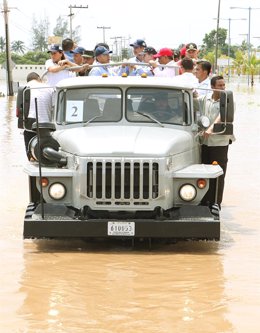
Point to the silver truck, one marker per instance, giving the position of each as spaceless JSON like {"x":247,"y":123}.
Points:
{"x":121,"y":158}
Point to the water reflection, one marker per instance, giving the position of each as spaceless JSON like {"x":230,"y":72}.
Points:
{"x":108,"y":287}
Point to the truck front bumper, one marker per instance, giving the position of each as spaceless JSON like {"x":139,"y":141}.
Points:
{"x":58,"y":221}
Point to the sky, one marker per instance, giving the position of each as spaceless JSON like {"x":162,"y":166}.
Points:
{"x":162,"y":24}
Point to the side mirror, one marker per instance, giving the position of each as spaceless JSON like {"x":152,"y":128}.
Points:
{"x":20,"y":106}
{"x":26,"y":108}
{"x":227,"y":106}
{"x":226,"y":114}
{"x":23,"y":107}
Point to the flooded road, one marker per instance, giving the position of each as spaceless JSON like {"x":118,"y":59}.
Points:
{"x":79,"y":287}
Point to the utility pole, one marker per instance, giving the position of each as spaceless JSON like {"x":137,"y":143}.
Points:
{"x":229,"y":39}
{"x":116,"y":42}
{"x":71,"y":14}
{"x":104,"y":28}
{"x":217,"y":33}
{"x":10,"y":91}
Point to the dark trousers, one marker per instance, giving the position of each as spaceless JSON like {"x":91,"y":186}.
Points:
{"x":28,"y":135}
{"x":209,"y":155}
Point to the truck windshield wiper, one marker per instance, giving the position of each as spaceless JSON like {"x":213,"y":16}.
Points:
{"x":150,"y":117}
{"x":91,"y":119}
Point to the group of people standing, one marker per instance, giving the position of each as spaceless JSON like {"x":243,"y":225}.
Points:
{"x":184,"y":66}
{"x":146,"y":60}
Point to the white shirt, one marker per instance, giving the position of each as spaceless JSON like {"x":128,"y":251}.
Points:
{"x":211,"y":108}
{"x":204,"y":85}
{"x":54,"y":78}
{"x":166,"y":71}
{"x":187,"y":78}
{"x":44,"y":96}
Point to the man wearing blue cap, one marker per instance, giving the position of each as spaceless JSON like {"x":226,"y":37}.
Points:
{"x":78,"y":59}
{"x":56,"y":65}
{"x":138,"y":47}
{"x":77,"y":54}
{"x":102,"y":57}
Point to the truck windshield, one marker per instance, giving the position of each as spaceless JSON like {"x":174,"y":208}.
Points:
{"x":89,"y":105}
{"x":165,"y":105}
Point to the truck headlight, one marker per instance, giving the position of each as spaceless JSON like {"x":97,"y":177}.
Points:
{"x":57,"y":191}
{"x":188,"y":192}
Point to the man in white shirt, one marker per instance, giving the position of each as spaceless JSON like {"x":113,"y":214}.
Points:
{"x":187,"y":76}
{"x":214,"y":147}
{"x":44,"y":97}
{"x":165,"y":57}
{"x":202,"y":72}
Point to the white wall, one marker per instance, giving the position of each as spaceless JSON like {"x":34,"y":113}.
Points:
{"x":20,"y":72}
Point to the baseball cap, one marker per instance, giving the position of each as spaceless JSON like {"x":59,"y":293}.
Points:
{"x":88,"y":54}
{"x":101,"y":50}
{"x":149,"y":50}
{"x":164,"y":52}
{"x":191,"y":46}
{"x":101,"y":44}
{"x":138,"y":43}
{"x":183,"y":51}
{"x":54,"y":48}
{"x":78,"y":50}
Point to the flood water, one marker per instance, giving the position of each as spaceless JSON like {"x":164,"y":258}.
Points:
{"x":103,"y":287}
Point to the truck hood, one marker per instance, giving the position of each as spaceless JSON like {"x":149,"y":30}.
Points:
{"x":123,"y":140}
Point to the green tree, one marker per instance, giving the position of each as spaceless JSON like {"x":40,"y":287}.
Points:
{"x":253,"y":67}
{"x":210,"y":56}
{"x":61,"y":29}
{"x":2,"y":44}
{"x":18,"y":46}
{"x":209,"y":41}
{"x":37,"y":58}
{"x":239,"y":63}
{"x":40,"y":33}
{"x":244,"y":46}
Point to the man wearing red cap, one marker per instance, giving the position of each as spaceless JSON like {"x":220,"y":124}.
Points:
{"x":165,"y":57}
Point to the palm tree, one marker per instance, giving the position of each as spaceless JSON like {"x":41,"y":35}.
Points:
{"x":18,"y":46}
{"x":253,"y":68}
{"x":239,"y":63}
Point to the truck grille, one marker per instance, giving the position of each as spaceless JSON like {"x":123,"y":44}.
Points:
{"x":122,"y":183}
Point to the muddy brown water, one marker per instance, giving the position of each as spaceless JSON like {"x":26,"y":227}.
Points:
{"x":110,"y":287}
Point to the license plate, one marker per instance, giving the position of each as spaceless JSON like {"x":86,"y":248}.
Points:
{"x":120,"y":228}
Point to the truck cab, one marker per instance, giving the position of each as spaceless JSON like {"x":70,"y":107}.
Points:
{"x":121,"y":158}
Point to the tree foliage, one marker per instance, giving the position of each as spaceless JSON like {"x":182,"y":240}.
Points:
{"x":210,"y":39}
{"x":61,"y":29}
{"x":2,"y":44}
{"x":40,"y":33}
{"x":18,"y":46}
